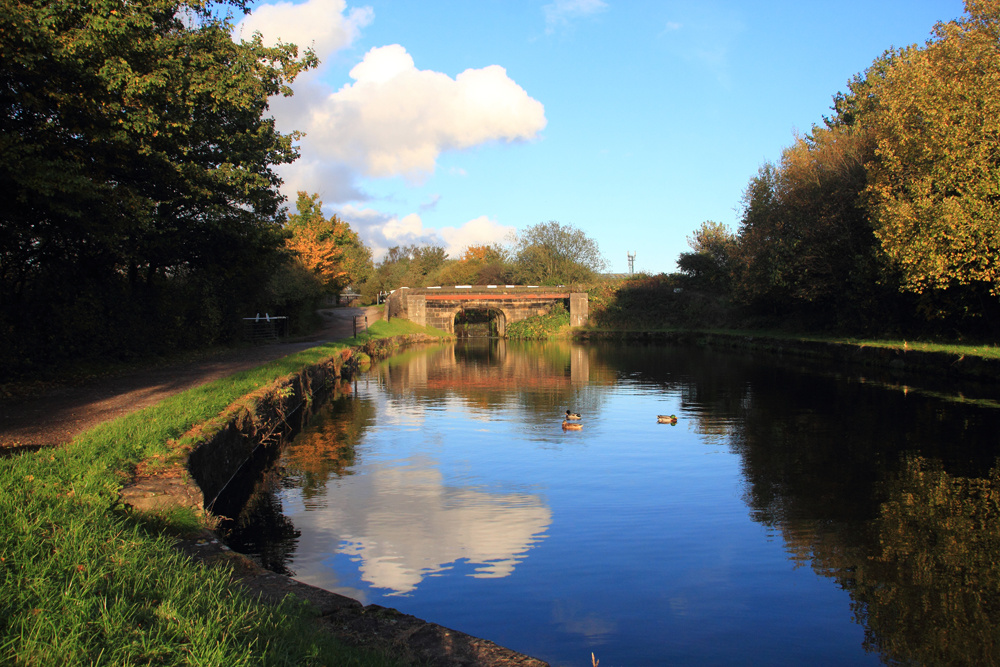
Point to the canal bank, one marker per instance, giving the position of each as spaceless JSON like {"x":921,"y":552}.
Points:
{"x":215,"y":451}
{"x":889,"y":358}
{"x":84,"y":580}
{"x":62,"y":486}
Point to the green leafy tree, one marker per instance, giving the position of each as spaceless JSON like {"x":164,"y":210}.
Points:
{"x":478,"y":265}
{"x":709,"y":263}
{"x":137,"y":163}
{"x":427,"y":262}
{"x":765,"y":249}
{"x":551,"y":253}
{"x":407,"y":266}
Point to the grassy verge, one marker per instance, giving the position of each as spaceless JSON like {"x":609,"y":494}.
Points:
{"x":540,"y":327}
{"x":396,"y":327}
{"x":83,"y":581}
{"x":986,"y":351}
{"x":982,"y":350}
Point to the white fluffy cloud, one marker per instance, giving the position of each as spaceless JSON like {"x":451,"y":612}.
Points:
{"x":396,"y":119}
{"x":406,"y":523}
{"x":481,"y":230}
{"x":382,"y":231}
{"x":393,"y":119}
{"x":321,"y":24}
{"x":333,"y":181}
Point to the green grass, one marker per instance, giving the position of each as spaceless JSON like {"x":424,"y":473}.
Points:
{"x":987,"y":351}
{"x":84,"y":581}
{"x":397,"y":327}
{"x":984,"y":350}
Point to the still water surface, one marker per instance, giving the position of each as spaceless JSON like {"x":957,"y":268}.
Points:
{"x":791,"y":516}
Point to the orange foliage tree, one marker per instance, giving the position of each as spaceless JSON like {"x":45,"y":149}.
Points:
{"x":327,"y":247}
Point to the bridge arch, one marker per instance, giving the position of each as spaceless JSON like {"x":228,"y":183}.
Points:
{"x":502,"y":316}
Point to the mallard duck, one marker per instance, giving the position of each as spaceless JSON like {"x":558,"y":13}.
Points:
{"x":571,"y":426}
{"x":666,"y":419}
{"x":572,"y":415}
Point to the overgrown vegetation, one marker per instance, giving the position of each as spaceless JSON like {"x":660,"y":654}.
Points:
{"x":652,"y":303}
{"x":540,"y":327}
{"x":82,"y":580}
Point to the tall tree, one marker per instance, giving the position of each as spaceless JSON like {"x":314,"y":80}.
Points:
{"x":934,"y":190}
{"x":551,"y":253}
{"x":328,"y":247}
{"x":805,"y":242}
{"x":710,"y":262}
{"x":765,"y":249}
{"x":837,"y":263}
{"x":135,"y":153}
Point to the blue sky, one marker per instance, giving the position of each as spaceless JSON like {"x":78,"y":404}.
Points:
{"x":463,"y":121}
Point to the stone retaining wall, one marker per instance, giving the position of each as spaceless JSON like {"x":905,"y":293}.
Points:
{"x":261,"y":418}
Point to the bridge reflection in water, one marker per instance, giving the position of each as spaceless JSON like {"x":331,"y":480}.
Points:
{"x":407,"y":521}
{"x":496,"y":367}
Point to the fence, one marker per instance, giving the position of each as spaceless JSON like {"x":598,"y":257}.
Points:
{"x":259,"y":329}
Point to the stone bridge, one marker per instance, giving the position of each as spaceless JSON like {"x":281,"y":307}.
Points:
{"x":438,"y":306}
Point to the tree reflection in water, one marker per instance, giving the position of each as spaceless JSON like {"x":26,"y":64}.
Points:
{"x":929,"y":593}
{"x":891,"y":491}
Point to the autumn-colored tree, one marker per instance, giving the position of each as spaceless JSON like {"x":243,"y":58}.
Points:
{"x":481,"y":264}
{"x":838,"y":261}
{"x":328,"y":247}
{"x":934,"y":189}
{"x":805,"y":242}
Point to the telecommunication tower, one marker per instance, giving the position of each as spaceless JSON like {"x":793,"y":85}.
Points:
{"x":631,"y":263}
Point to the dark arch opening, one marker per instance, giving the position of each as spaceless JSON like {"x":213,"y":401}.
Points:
{"x":480,"y":323}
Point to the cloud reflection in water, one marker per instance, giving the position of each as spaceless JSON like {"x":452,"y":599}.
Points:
{"x":403,"y":523}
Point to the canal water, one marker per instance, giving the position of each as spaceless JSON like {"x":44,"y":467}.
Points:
{"x":793,"y":515}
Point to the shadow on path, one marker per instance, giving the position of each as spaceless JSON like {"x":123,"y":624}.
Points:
{"x":59,"y":415}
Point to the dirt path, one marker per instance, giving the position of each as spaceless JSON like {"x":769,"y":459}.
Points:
{"x":58,"y":415}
